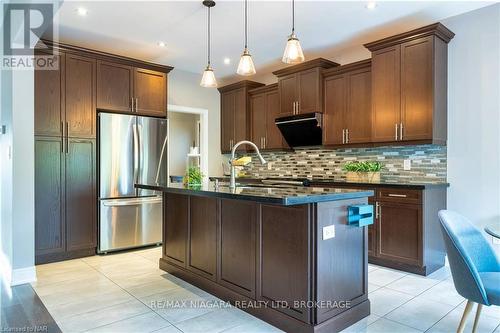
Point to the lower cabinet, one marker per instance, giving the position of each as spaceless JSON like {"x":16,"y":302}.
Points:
{"x":65,"y":198}
{"x":176,"y":211}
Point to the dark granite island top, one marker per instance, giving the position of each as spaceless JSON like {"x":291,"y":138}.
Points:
{"x":279,"y":195}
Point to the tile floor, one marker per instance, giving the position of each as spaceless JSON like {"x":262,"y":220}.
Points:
{"x":127,"y":293}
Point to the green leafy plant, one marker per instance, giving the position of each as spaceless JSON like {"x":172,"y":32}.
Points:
{"x":363,"y":166}
{"x":194,"y":175}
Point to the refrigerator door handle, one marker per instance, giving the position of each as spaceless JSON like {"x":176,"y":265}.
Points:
{"x":131,"y":202}
{"x":161,"y":157}
{"x":136,"y":152}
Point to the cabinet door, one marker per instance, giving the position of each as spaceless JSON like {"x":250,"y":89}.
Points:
{"x":240,"y":117}
{"x":274,"y":139}
{"x":80,"y":96}
{"x":81,"y":201}
{"x":417,"y":89}
{"x":309,"y":91}
{"x":175,"y":228}
{"x":258,"y":118}
{"x":49,"y":101}
{"x":386,"y":92}
{"x":359,"y":107}
{"x":49,"y":197}
{"x":284,"y":253}
{"x":335,"y":107}
{"x":150,"y":92}
{"x":227,"y":121}
{"x":237,"y":246}
{"x":400,"y":232}
{"x":114,"y":86}
{"x":202,"y":236}
{"x":287,"y":87}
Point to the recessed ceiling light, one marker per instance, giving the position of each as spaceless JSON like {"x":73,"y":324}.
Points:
{"x":371,"y":5}
{"x":82,"y":11}
{"x":161,"y":44}
{"x":227,"y":61}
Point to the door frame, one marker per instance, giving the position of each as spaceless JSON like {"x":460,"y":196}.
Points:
{"x":203,"y":113}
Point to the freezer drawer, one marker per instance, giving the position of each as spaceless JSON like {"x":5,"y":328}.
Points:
{"x":128,"y":223}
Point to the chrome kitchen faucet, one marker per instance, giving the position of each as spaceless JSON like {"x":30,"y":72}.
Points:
{"x":232,"y":182}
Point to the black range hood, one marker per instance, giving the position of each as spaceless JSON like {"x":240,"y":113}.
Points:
{"x":301,"y":130}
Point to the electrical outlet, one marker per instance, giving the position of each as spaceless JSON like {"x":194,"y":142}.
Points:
{"x":407,"y":165}
{"x":328,"y":232}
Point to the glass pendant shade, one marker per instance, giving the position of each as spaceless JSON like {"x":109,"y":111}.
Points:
{"x":246,"y":66}
{"x":293,"y":51}
{"x":208,"y":79}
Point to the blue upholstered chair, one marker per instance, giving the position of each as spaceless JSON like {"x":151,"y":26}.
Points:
{"x":474,"y":266}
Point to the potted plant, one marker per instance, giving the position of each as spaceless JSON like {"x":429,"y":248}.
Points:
{"x":193,"y":176}
{"x":363,"y":172}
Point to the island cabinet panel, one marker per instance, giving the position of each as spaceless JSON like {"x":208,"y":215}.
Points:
{"x":284,"y":258}
{"x":341,"y":278}
{"x":203,"y":214}
{"x":49,"y":99}
{"x":114,"y":86}
{"x":176,"y":228}
{"x":81,"y":225}
{"x":237,"y":252}
{"x":80,"y":96}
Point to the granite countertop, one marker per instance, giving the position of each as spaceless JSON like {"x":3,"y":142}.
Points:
{"x":343,"y":183}
{"x":280,"y":195}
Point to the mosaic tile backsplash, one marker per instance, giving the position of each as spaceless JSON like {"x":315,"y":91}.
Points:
{"x":428,"y":163}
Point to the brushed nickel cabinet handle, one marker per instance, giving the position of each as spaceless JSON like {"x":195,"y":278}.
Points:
{"x":136,"y":104}
{"x":377,"y":210}
{"x":67,"y":139}
{"x":265,"y":142}
{"x":62,"y":135}
{"x":132,"y":104}
{"x":396,"y":195}
{"x":396,"y":125}
{"x":298,"y":107}
{"x":401,"y":131}
{"x":347,"y":135}
{"x":343,"y":136}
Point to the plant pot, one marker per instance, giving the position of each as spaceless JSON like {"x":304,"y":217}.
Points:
{"x":363,"y":177}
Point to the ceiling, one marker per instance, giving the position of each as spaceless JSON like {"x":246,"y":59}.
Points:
{"x":134,"y":28}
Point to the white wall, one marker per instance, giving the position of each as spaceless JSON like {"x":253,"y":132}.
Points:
{"x":184,"y":89}
{"x":182,"y":127}
{"x":474,"y":115}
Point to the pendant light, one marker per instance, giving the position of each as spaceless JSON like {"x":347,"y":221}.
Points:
{"x":293,"y":51}
{"x":246,"y":66}
{"x":208,"y":78}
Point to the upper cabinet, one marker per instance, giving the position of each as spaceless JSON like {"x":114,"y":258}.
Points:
{"x":409,"y":86}
{"x":264,"y":108}
{"x":347,"y":104}
{"x":235,"y":114}
{"x":300,"y":87}
{"x":126,"y":88}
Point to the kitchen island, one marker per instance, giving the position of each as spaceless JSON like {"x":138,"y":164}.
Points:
{"x":287,"y":255}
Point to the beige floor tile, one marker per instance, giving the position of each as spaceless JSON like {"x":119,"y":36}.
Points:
{"x":89,"y":320}
{"x":441,"y":274}
{"x":420,"y":314}
{"x":215,"y":321}
{"x":372,"y":287}
{"x":383,"y":325}
{"x":47,"y":278}
{"x":88,"y":304}
{"x":170,"y":329}
{"x":151,"y":288}
{"x":412,"y":284}
{"x":127,"y":281}
{"x":384,"y":276}
{"x":148,"y":322}
{"x":111,"y":258}
{"x":362,"y":325}
{"x":253,"y":326}
{"x":385,"y":300}
{"x":47,"y":289}
{"x":443,"y":292}
{"x":449,"y":323}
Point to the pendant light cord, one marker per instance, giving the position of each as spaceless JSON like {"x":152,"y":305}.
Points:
{"x":208,"y":36}
{"x":246,"y":22}
{"x":293,"y":16}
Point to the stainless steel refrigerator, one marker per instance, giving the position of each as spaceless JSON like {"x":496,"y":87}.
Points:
{"x":132,"y":149}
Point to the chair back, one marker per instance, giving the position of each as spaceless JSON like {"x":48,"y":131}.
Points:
{"x":469,"y":253}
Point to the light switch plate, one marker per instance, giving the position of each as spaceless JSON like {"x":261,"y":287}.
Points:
{"x":328,"y":232}
{"x":407,"y":165}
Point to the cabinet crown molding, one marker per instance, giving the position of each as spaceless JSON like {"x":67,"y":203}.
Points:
{"x":67,"y":48}
{"x":436,"y":29}
{"x":241,"y":84}
{"x":315,"y":63}
{"x":348,"y":67}
{"x":266,"y":88}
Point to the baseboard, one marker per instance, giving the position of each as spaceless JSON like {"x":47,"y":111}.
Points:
{"x":23,"y":275}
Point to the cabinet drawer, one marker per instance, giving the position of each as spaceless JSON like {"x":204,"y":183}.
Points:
{"x":400,"y":195}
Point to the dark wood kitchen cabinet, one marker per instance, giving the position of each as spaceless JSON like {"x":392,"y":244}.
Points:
{"x":264,"y":109}
{"x":235,"y":114}
{"x":176,"y":209}
{"x":125,"y":88}
{"x":300,"y":87}
{"x":409,"y":86}
{"x":347,"y":104}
